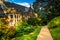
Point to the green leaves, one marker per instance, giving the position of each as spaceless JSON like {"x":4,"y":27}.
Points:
{"x":54,"y":23}
{"x":25,"y":30}
{"x":34,"y":21}
{"x":5,"y":33}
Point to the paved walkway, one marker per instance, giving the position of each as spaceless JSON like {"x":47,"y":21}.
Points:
{"x":44,"y":34}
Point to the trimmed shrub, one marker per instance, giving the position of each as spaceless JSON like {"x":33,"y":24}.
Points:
{"x":54,"y":22}
{"x":34,"y":21}
{"x":25,"y":30}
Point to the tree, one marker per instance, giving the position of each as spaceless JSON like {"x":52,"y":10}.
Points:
{"x":51,"y":9}
{"x":54,"y":7}
{"x":5,"y":33}
{"x":39,"y":8}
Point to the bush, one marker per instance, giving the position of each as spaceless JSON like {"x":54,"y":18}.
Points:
{"x":32,"y":36}
{"x":5,"y":33}
{"x":25,"y":30}
{"x":34,"y":21}
{"x":54,"y":22}
{"x":19,"y":23}
{"x":55,"y":33}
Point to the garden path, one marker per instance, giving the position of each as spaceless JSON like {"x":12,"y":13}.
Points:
{"x":44,"y":34}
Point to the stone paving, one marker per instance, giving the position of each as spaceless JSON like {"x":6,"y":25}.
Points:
{"x":44,"y":34}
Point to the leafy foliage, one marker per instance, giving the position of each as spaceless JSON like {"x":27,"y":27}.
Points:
{"x":54,"y":22}
{"x":53,"y":8}
{"x":34,"y":21}
{"x":55,"y":32}
{"x":19,"y":23}
{"x":24,"y":29}
{"x":31,"y":36}
{"x":5,"y":33}
{"x":48,"y":11}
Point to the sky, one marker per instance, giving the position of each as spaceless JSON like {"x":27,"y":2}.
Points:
{"x":25,"y":3}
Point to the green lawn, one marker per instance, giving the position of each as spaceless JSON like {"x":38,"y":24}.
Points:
{"x":31,"y":36}
{"x":55,"y":33}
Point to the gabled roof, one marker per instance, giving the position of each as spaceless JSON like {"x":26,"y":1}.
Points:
{"x":12,"y":5}
{"x":16,"y":6}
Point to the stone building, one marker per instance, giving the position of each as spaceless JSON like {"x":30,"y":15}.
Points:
{"x":14,"y":12}
{"x":30,"y":13}
{"x":13,"y":16}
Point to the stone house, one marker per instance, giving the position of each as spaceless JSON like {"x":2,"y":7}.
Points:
{"x":14,"y":12}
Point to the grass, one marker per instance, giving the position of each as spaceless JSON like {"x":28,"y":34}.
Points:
{"x":55,"y":32}
{"x":31,"y":36}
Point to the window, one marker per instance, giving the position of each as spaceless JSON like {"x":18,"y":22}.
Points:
{"x":11,"y":16}
{"x":15,"y":16}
